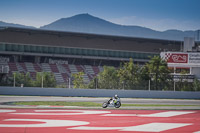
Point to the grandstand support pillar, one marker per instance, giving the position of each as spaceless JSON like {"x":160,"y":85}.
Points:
{"x":20,"y":58}
{"x":100,"y":62}
{"x":37,"y":59}
{"x":15,"y":58}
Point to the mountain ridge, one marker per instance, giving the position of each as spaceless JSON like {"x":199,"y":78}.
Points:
{"x":5,"y":24}
{"x":86,"y":23}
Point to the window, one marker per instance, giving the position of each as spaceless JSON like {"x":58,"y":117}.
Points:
{"x":2,"y":47}
{"x":45,"y":49}
{"x":21,"y":48}
{"x":27,"y":48}
{"x":57,"y":50}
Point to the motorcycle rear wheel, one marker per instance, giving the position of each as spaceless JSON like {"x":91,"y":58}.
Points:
{"x":105,"y":105}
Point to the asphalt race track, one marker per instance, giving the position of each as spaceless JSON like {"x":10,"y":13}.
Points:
{"x":182,"y":102}
{"x":43,"y":119}
{"x":89,"y":121}
{"x":99,"y":100}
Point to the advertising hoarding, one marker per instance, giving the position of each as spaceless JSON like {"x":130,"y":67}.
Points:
{"x":175,"y":57}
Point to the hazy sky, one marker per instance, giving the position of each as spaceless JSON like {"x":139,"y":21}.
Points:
{"x":155,"y":14}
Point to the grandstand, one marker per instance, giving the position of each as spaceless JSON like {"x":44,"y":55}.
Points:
{"x":65,"y":53}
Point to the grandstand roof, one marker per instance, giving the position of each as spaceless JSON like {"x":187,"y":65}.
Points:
{"x":84,"y":40}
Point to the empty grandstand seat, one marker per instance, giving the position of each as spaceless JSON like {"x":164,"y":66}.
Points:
{"x":96,"y":69}
{"x":54,"y":68}
{"x":23,"y":66}
{"x":12,"y":67}
{"x":59,"y":77}
{"x":62,"y":72}
{"x":37,"y":67}
{"x":46,"y":67}
{"x":73,"y":69}
{"x":89,"y":69}
{"x":79,"y":68}
{"x":65,"y":77}
{"x":29,"y":67}
{"x":66,"y":67}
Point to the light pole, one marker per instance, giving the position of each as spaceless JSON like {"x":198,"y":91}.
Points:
{"x":96,"y":82}
{"x":149,"y":84}
{"x":14,"y":81}
{"x":174,"y":85}
{"x":69,"y":82}
{"x":42,"y":80}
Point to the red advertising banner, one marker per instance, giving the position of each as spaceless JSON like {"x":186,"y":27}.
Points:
{"x":176,"y":58}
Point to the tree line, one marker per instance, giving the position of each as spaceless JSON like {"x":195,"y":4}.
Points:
{"x":43,"y":79}
{"x":154,"y":75}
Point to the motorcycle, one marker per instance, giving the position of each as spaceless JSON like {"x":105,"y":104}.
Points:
{"x":112,"y":103}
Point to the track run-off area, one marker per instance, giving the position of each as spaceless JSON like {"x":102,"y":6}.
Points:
{"x":108,"y":120}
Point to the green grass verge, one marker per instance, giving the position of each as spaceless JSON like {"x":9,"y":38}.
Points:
{"x":60,"y":103}
{"x":90,"y":104}
{"x":157,"y":105}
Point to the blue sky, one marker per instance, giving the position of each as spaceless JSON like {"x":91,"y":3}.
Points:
{"x":155,"y":14}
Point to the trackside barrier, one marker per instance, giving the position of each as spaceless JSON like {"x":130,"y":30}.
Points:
{"x":30,"y":91}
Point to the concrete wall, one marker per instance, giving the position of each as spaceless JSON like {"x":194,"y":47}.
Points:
{"x":98,"y":93}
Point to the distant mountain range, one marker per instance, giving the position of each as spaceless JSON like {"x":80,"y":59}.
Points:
{"x":86,"y":23}
{"x":4,"y":24}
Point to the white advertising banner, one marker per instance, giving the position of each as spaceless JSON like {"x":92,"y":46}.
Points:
{"x":194,"y":58}
{"x":181,"y":57}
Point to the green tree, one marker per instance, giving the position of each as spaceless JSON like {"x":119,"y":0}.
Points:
{"x":38,"y":81}
{"x":129,"y":75}
{"x":183,"y":84}
{"x":107,"y":79}
{"x":93,"y":84}
{"x":158,"y":71}
{"x":6,"y":81}
{"x":78,"y":80}
{"x":47,"y":78}
{"x":196,"y":85}
{"x":27,"y":80}
{"x":21,"y":78}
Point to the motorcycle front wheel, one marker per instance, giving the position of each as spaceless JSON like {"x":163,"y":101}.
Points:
{"x":117,"y":104}
{"x":105,"y":104}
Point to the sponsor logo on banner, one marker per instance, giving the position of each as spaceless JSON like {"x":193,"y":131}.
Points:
{"x":176,"y":58}
{"x":194,"y":58}
{"x":54,"y":61}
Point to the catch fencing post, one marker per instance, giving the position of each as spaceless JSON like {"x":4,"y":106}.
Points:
{"x":14,"y":81}
{"x":69,"y":83}
{"x":174,"y":85}
{"x":149,"y":85}
{"x":96,"y":83}
{"x":42,"y":80}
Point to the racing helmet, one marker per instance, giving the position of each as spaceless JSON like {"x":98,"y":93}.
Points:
{"x":116,"y":96}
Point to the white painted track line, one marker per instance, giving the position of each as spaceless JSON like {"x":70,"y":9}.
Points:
{"x":161,"y":114}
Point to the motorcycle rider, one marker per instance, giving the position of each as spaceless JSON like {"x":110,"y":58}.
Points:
{"x":114,"y":99}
